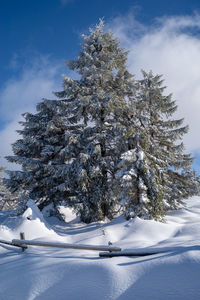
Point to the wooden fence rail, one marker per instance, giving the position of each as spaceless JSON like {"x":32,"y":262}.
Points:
{"x":66,"y":245}
{"x":12,"y":244}
{"x":123,"y":253}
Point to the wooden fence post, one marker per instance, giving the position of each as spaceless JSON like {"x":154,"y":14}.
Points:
{"x":22,"y":237}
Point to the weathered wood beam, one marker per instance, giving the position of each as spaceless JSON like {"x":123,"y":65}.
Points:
{"x":12,"y":244}
{"x":66,"y":245}
{"x":109,"y":254}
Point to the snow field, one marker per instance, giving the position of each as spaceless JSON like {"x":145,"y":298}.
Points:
{"x":50,"y":273}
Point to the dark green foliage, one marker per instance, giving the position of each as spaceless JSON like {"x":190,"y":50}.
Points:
{"x":98,"y":98}
{"x":153,"y":175}
{"x":43,"y":152}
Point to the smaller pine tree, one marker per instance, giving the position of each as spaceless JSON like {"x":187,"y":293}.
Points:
{"x":153,"y":169}
{"x":44,"y":153}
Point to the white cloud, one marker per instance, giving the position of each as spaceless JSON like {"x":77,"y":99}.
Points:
{"x":21,"y":95}
{"x":171,"y":46}
{"x":7,"y":137}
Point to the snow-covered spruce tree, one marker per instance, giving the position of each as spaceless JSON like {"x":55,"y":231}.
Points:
{"x":149,"y":173}
{"x":44,"y":153}
{"x":97,"y":100}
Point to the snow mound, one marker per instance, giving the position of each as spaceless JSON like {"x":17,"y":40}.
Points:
{"x":51,"y":273}
{"x":33,"y":212}
{"x":141,"y":232}
{"x":5,"y":233}
{"x":33,"y":223}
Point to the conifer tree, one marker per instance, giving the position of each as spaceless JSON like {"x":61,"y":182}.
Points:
{"x":44,"y":152}
{"x":68,"y":148}
{"x":150,"y":171}
{"x":97,"y":100}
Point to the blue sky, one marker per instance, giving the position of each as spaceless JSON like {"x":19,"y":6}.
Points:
{"x":53,"y":27}
{"x":38,"y":36}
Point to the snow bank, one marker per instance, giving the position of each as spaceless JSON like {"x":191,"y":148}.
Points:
{"x":32,"y":223}
{"x":42,"y":273}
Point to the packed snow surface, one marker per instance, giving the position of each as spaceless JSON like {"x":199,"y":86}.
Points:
{"x":51,"y":273}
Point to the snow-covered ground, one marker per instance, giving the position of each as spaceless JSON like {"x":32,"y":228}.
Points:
{"x":67,"y":274}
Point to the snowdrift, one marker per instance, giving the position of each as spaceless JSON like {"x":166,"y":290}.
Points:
{"x":45,"y":273}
